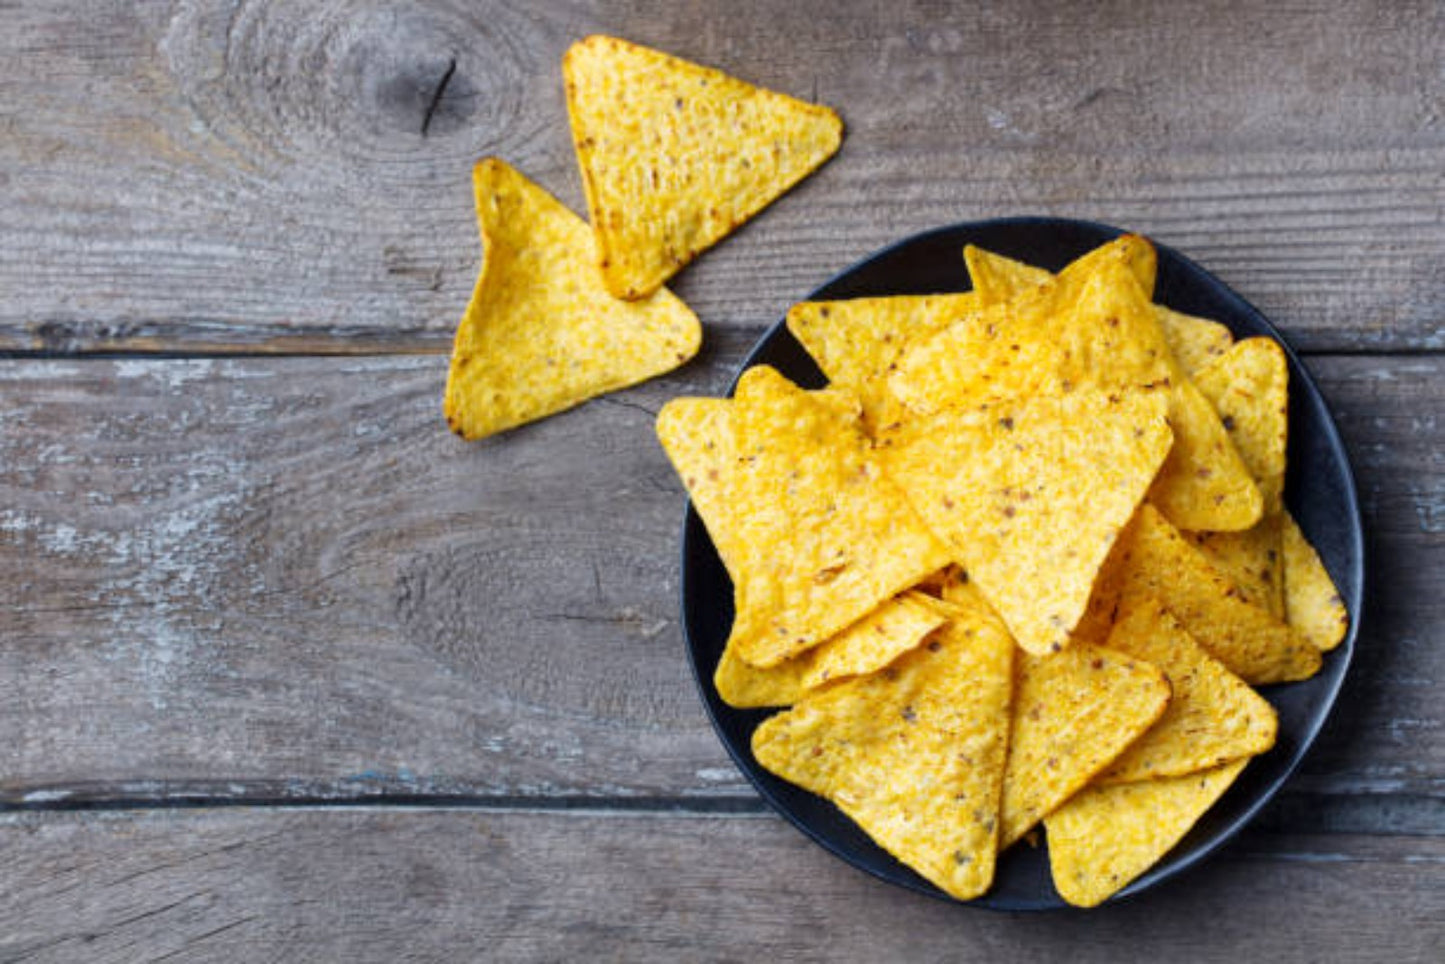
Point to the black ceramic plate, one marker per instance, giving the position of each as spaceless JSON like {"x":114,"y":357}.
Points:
{"x":1320,"y":491}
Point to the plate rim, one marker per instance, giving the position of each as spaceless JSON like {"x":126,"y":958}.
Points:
{"x":1343,"y":653}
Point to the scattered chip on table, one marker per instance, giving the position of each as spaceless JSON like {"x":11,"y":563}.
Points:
{"x":1031,"y":494}
{"x":674,"y":156}
{"x":915,"y":753}
{"x":1105,"y":837}
{"x":812,"y":534}
{"x":541,"y":334}
{"x":1213,"y":717}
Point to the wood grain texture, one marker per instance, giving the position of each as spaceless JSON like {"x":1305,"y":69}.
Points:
{"x":275,"y":578}
{"x":246,"y":885}
{"x":243,"y":176}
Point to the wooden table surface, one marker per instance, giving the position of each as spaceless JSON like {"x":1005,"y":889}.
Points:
{"x":288,"y":672}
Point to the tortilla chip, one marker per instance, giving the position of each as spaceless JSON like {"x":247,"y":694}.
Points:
{"x":1212,"y":718}
{"x":914,"y":754}
{"x":1105,"y":837}
{"x":814,"y":538}
{"x":1250,"y":642}
{"x":1251,"y":560}
{"x":997,"y":278}
{"x":1249,"y":388}
{"x":873,"y":642}
{"x":541,"y":334}
{"x":1312,"y":603}
{"x":1074,"y":713}
{"x":675,"y":156}
{"x":1195,"y":342}
{"x":1031,"y":495}
{"x":1093,"y":328}
{"x":1131,"y":251}
{"x":856,"y":342}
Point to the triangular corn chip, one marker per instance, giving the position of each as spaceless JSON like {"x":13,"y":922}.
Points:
{"x":1030,"y":495}
{"x":675,"y":156}
{"x":1312,"y":602}
{"x":1131,"y":251}
{"x":1213,"y":717}
{"x":914,"y":754}
{"x":856,"y":342}
{"x":813,"y":536}
{"x":1251,"y":643}
{"x":895,"y":627}
{"x":1194,"y":342}
{"x":1094,"y":327}
{"x":998,"y":279}
{"x":1249,"y":388}
{"x":541,"y":334}
{"x":1251,"y":560}
{"x":1074,"y":712}
{"x":1105,"y":837}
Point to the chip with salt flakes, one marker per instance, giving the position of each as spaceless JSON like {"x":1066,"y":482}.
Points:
{"x":812,"y":534}
{"x":856,"y":342}
{"x":895,"y":627}
{"x":1312,"y":603}
{"x":1074,"y":712}
{"x":1254,"y":645}
{"x":541,"y":334}
{"x":1030,"y":495}
{"x":1105,"y":837}
{"x":675,"y":156}
{"x":914,"y":754}
{"x":1213,"y":716}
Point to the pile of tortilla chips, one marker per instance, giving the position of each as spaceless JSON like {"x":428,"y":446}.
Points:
{"x":673,"y":156}
{"x":1020,"y":564}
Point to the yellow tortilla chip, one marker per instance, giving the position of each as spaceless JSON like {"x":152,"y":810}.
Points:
{"x":997,"y":278}
{"x":1251,"y":643}
{"x":1249,"y":388}
{"x":1212,"y":718}
{"x":1074,"y":713}
{"x":541,"y":334}
{"x":1133,"y":252}
{"x":873,"y":642}
{"x":1195,"y":342}
{"x":915,"y":753}
{"x":1031,"y":495}
{"x":674,"y":156}
{"x":1094,"y":328}
{"x":813,"y":536}
{"x":1312,"y":602}
{"x":1105,"y":837}
{"x":1251,"y":560}
{"x":857,"y":342}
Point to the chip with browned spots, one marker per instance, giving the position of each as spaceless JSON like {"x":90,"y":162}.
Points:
{"x":675,"y":156}
{"x":541,"y":334}
{"x":914,"y":754}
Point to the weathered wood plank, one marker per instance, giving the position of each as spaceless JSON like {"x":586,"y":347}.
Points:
{"x":248,"y":885}
{"x":282,"y":577}
{"x":246,"y":176}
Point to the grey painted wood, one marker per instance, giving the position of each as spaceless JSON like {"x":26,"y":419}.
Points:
{"x":246,"y":885}
{"x":244,"y":176}
{"x":270,"y":578}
